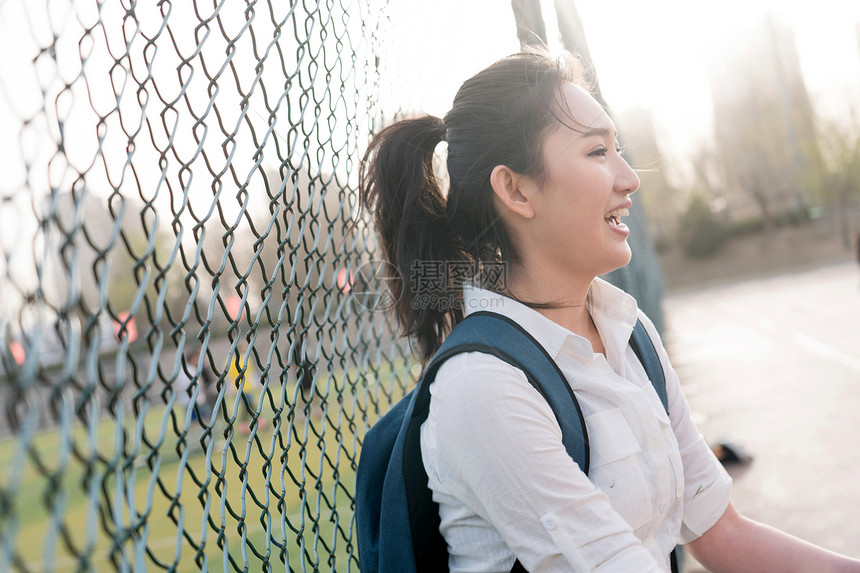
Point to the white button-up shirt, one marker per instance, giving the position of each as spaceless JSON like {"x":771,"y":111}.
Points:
{"x":506,"y":486}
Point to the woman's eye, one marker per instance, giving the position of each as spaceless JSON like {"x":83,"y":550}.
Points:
{"x":601,"y":151}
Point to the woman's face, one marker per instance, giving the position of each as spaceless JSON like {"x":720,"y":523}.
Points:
{"x":584,"y":192}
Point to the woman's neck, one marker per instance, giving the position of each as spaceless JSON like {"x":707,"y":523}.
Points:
{"x":566,"y":298}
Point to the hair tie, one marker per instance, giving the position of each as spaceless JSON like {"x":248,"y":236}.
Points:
{"x":443,"y":130}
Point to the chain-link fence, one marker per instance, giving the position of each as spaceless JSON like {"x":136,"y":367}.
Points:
{"x":185,"y":377}
{"x":189,"y":356}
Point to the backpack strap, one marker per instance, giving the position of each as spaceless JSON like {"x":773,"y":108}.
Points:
{"x":645,"y":351}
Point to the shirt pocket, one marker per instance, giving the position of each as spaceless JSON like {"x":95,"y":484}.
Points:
{"x":616,"y":466}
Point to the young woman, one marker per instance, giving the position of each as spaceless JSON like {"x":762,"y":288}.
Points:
{"x":537,"y":186}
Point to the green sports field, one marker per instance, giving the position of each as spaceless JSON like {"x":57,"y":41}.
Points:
{"x":160,"y":491}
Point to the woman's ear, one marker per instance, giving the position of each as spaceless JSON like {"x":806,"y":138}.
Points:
{"x":513,"y":190}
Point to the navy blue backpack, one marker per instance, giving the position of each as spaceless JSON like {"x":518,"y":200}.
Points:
{"x":397,"y":519}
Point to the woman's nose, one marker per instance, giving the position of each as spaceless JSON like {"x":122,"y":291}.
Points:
{"x":627,"y":181}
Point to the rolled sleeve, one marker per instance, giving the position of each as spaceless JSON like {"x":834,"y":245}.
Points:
{"x":704,"y":504}
{"x":591,"y":555}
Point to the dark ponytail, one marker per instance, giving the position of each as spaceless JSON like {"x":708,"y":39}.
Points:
{"x":500,"y":117}
{"x":399,"y":184}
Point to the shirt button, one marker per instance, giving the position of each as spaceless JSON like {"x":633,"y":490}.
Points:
{"x":549,"y":523}
{"x":663,"y":507}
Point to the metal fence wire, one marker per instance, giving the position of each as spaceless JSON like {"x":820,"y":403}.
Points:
{"x":185,"y":376}
{"x":190,"y":348}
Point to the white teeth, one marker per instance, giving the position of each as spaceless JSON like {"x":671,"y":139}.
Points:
{"x":623,"y":212}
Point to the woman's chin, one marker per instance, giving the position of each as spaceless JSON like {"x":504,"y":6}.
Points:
{"x":620,"y":261}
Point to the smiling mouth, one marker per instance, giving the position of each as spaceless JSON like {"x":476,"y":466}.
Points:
{"x":614,"y":217}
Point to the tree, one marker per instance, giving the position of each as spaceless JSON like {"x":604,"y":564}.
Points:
{"x":765,"y":127}
{"x":841,"y":149}
{"x":702,"y":232}
{"x":531,"y":30}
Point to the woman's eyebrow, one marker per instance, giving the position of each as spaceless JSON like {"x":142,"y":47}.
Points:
{"x":599,"y":132}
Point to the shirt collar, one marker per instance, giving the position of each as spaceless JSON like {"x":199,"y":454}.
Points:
{"x":613,"y":311}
